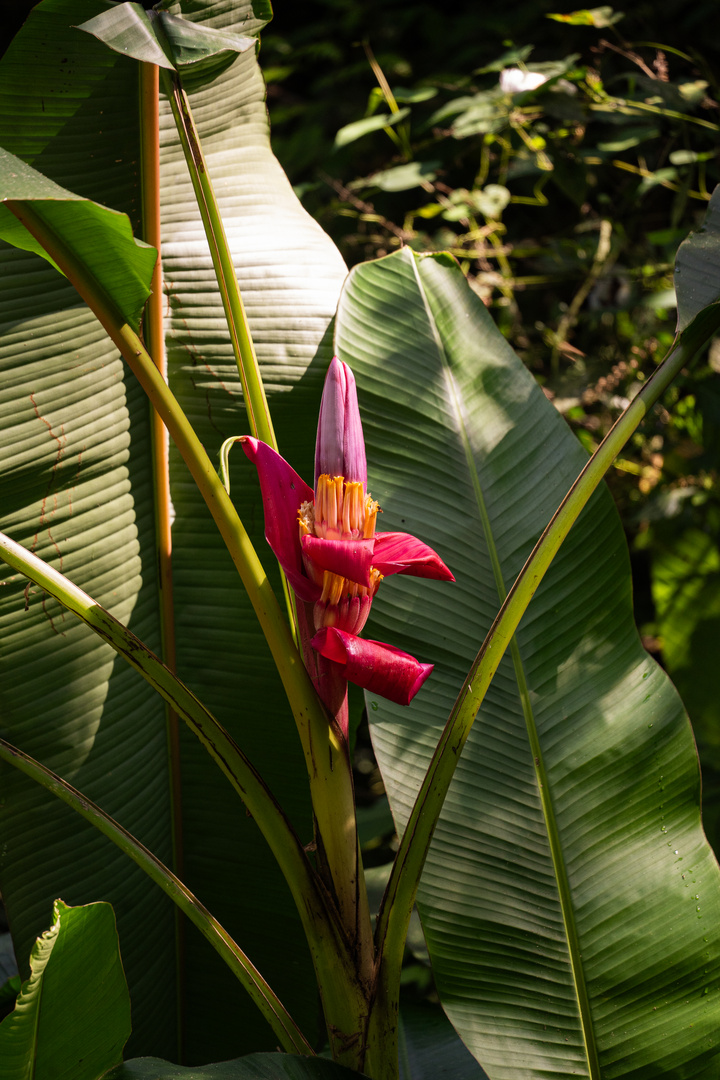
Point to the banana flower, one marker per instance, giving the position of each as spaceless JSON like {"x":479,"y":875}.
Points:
{"x":334,"y":560}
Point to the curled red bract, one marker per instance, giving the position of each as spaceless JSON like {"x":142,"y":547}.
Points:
{"x":380,"y":668}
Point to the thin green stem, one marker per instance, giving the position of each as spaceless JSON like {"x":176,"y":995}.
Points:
{"x":288,"y":1033}
{"x":242,"y":343}
{"x":401,"y":139}
{"x":400,"y":894}
{"x":256,"y":404}
{"x":631,"y":108}
{"x":601,"y":264}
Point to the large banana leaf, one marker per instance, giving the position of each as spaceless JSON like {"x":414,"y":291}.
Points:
{"x":76,"y":489}
{"x":570,"y":900}
{"x":75,"y":475}
{"x":252,"y":1067}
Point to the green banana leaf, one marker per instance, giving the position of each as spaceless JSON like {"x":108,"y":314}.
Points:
{"x":430,"y":1049}
{"x":72,"y":1017}
{"x":100,"y":238}
{"x":575,"y":934}
{"x":75,"y":487}
{"x":252,"y":1067}
{"x":130,"y":30}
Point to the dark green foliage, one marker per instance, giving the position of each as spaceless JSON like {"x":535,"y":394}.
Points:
{"x":565,"y":206}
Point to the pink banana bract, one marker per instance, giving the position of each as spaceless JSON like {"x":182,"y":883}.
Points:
{"x":326,"y":543}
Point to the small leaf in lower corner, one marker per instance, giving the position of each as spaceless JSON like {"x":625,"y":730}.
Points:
{"x":72,"y":1016}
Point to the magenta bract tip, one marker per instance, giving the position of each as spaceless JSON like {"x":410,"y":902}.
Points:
{"x":377,"y":667}
{"x":401,"y":553}
{"x":340,"y":445}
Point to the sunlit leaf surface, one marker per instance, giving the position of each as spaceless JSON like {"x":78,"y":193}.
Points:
{"x":600,"y":958}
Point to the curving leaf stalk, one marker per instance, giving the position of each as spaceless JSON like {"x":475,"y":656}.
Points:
{"x":332,"y":948}
{"x":285,"y":1028}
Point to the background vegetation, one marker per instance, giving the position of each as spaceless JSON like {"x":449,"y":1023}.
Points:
{"x":565,"y":206}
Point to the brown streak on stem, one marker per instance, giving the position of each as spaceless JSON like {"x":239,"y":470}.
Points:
{"x":188,"y":125}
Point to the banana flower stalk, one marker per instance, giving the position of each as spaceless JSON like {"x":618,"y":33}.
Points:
{"x":334,"y":560}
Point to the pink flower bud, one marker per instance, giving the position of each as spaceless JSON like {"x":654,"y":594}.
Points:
{"x":340,"y":445}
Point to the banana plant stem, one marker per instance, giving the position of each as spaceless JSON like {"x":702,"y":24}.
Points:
{"x":153,"y":324}
{"x":288,"y":1033}
{"x":399,"y":898}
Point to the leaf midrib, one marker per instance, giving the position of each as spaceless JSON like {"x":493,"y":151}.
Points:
{"x":556,"y":852}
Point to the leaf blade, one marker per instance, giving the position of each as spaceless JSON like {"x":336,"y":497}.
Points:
{"x":489,"y":896}
{"x":72,"y":1016}
{"x":161,"y":38}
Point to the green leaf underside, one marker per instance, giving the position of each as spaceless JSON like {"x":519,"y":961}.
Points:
{"x":252,"y":1067}
{"x":191,"y":42}
{"x":132,"y":31}
{"x":430,"y":1049}
{"x":75,"y":488}
{"x":696,"y":276}
{"x":127,"y":30}
{"x":72,"y":1017}
{"x":101,"y":238}
{"x":511,"y":945}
